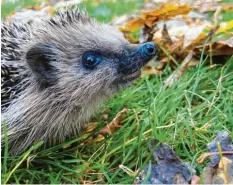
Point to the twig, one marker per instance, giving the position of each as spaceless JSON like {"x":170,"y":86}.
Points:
{"x":177,"y":74}
{"x":205,"y":155}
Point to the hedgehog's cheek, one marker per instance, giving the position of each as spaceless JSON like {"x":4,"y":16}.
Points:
{"x":40,"y":58}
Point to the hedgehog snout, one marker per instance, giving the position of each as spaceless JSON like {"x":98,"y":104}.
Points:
{"x":136,"y":56}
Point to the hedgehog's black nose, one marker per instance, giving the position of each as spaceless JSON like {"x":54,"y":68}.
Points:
{"x":136,"y":56}
{"x":148,"y":49}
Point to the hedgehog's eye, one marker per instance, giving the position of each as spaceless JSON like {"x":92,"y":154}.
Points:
{"x":90,"y":60}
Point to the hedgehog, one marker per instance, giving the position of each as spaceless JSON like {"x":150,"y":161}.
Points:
{"x":56,"y":73}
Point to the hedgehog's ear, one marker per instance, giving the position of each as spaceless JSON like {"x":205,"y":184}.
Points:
{"x":40,"y":59}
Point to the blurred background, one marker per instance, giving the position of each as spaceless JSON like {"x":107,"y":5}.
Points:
{"x":102,"y":10}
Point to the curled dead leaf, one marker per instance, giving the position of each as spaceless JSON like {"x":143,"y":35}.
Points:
{"x":89,"y":127}
{"x":115,"y":124}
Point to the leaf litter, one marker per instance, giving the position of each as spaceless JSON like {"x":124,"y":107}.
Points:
{"x":179,"y":29}
{"x":170,"y":169}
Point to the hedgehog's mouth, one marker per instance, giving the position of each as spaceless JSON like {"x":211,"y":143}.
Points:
{"x":130,"y":77}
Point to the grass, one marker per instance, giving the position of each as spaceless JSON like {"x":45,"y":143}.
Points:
{"x":186,"y":116}
{"x":185,"y":119}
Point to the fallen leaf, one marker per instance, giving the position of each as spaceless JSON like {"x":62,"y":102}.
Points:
{"x":166,"y":37}
{"x":94,"y":139}
{"x":115,"y":124}
{"x":89,"y":127}
{"x":221,"y":47}
{"x":146,"y":34}
{"x":165,"y":12}
{"x":133,"y":25}
{"x":194,"y":36}
{"x":224,"y":27}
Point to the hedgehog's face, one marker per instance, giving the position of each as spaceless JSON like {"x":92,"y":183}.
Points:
{"x":97,"y":59}
{"x":117,"y":69}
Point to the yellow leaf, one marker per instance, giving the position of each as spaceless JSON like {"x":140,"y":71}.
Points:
{"x":166,"y":11}
{"x":224,"y":27}
{"x":133,"y":24}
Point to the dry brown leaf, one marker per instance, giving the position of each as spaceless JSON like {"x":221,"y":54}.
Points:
{"x":114,"y":125}
{"x":130,"y":38}
{"x":165,"y":12}
{"x":166,"y":37}
{"x":89,"y":127}
{"x":220,"y":48}
{"x":110,"y":128}
{"x":133,"y":25}
{"x":200,"y":40}
{"x":228,"y":42}
{"x":93,"y":139}
{"x":146,"y":34}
